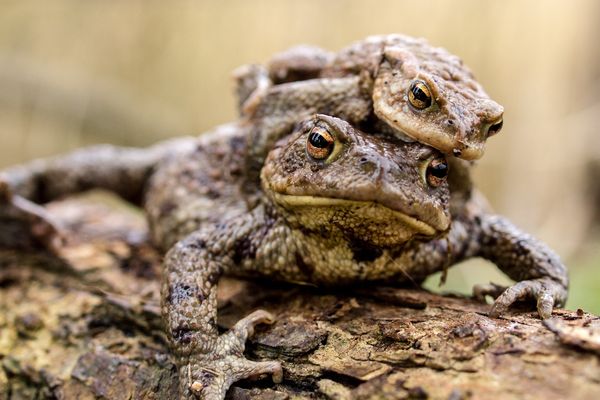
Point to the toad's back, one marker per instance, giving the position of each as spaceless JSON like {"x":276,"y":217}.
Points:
{"x":199,"y":186}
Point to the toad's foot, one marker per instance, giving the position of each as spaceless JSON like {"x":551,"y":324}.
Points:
{"x":208,"y":376}
{"x":547,"y":292}
{"x":39,"y":224}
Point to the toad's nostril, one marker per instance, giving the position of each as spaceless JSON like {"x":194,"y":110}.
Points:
{"x":367,"y":166}
{"x":495,"y":127}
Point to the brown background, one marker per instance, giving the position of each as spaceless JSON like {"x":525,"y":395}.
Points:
{"x":132,"y":72}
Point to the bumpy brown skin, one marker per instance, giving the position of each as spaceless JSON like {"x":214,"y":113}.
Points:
{"x":192,"y":192}
{"x":298,"y":63}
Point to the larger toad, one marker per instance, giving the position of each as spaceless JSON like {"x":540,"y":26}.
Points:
{"x":336,"y":206}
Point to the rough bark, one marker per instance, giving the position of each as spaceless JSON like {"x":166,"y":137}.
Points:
{"x":88,"y":327}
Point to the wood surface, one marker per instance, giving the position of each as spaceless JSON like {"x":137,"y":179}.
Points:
{"x":87,"y":326}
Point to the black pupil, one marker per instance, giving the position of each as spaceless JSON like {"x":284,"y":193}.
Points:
{"x":420,"y":94}
{"x":318,"y":140}
{"x":439,"y":170}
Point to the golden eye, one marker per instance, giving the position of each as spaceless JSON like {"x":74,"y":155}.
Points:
{"x":437,"y":171}
{"x":419,"y":95}
{"x":320,"y":143}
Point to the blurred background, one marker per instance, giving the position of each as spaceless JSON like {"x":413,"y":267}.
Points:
{"x":73,"y":73}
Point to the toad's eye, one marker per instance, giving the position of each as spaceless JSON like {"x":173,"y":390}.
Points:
{"x":419,"y":95}
{"x":437,"y":171}
{"x":320,"y":143}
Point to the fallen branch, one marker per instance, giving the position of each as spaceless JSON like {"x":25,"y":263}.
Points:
{"x":89,"y":327}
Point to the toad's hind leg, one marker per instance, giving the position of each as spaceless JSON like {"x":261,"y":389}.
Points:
{"x":208,"y":363}
{"x":123,"y":171}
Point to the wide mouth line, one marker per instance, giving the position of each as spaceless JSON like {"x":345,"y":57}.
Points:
{"x":436,"y":139}
{"x":319,"y":201}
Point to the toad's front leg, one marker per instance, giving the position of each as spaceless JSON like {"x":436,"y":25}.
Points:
{"x":539,"y":273}
{"x":208,"y":363}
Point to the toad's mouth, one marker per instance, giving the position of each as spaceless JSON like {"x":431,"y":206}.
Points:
{"x":411,"y":131}
{"x":384,"y":212}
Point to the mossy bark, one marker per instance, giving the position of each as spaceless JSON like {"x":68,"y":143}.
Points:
{"x":88,"y":327}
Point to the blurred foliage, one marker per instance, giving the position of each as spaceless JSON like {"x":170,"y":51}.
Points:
{"x":133,"y":72}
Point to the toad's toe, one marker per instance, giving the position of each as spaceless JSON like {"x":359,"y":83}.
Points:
{"x":208,"y":376}
{"x":546,"y":292}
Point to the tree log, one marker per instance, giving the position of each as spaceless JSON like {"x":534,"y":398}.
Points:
{"x":87,"y":326}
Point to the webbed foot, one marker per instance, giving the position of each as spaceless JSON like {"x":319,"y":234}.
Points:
{"x":209,"y":376}
{"x":547,"y":292}
{"x":26,"y":222}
